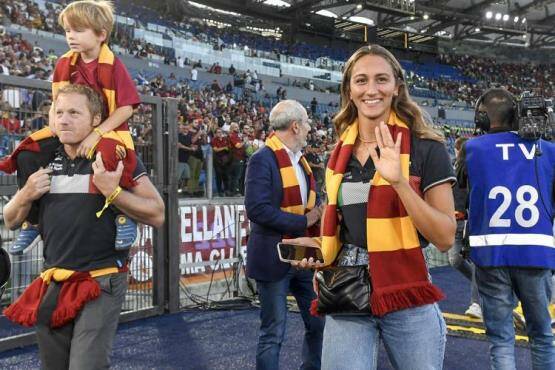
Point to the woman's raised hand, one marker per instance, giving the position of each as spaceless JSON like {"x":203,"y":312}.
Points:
{"x":388,"y":162}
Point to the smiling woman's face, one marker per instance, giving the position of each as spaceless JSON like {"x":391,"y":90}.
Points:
{"x":372,"y":87}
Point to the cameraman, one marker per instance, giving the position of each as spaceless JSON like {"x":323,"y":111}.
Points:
{"x":510,"y":228}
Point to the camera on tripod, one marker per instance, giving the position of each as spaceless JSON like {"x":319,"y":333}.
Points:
{"x":535,"y":117}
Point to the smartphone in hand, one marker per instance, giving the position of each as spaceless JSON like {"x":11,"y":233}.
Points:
{"x":295,"y":252}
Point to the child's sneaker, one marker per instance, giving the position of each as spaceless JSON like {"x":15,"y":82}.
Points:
{"x":28,"y":237}
{"x":126,"y":232}
{"x":474,"y":311}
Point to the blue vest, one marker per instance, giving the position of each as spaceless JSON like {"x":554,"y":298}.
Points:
{"x":510,"y":216}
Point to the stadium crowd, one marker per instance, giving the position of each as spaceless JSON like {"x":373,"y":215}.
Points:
{"x":517,"y":78}
{"x":228,"y":122}
{"x":483,"y":72}
{"x":232,"y":129}
{"x":30,"y":15}
{"x":19,"y":58}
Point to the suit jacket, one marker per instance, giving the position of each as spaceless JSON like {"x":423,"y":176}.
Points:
{"x":263,"y":195}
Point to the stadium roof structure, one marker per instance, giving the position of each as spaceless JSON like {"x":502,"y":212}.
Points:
{"x":526,"y":23}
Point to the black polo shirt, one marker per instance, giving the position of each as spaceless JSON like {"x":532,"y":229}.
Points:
{"x":74,"y":238}
{"x":430,"y":165}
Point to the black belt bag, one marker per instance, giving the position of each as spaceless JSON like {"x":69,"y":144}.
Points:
{"x":345,"y":288}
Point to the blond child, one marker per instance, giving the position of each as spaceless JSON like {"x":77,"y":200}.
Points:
{"x":88,"y":25}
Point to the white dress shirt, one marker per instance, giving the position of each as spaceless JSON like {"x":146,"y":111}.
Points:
{"x":299,"y":171}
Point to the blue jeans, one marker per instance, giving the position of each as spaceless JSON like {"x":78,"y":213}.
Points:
{"x":273,"y":316}
{"x":498,"y":287}
{"x":414,"y":339}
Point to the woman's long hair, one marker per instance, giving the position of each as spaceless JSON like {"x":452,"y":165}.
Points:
{"x":403,"y":105}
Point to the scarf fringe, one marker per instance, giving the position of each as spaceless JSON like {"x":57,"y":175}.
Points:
{"x":25,"y":309}
{"x":421,"y":294}
{"x":73,"y":296}
{"x":21,"y":315}
{"x":314,"y":308}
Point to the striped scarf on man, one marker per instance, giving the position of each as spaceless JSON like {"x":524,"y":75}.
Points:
{"x":398,"y":272}
{"x":292,"y":201}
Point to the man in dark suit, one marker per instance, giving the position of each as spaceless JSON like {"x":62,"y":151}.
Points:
{"x":269,"y":224}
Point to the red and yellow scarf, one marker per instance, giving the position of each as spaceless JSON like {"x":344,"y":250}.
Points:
{"x":66,"y":66}
{"x":292,"y":201}
{"x":77,"y":289}
{"x":30,"y":143}
{"x":398,"y":272}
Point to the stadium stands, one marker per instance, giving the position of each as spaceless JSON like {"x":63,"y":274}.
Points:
{"x":217,"y":98}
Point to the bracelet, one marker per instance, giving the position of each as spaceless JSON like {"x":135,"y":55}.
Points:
{"x":109,"y":200}
{"x":90,"y":153}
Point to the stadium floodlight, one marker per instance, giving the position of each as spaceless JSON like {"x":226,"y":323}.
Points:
{"x":489,"y":14}
{"x":516,"y":19}
{"x":278,"y":3}
{"x":498,"y":16}
{"x":403,"y":8}
{"x":326,"y":13}
{"x":505,"y":17}
{"x":426,"y":16}
{"x":202,"y":6}
{"x":363,"y":20}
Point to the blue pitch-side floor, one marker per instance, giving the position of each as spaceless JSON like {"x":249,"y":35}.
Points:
{"x":227,"y":340}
